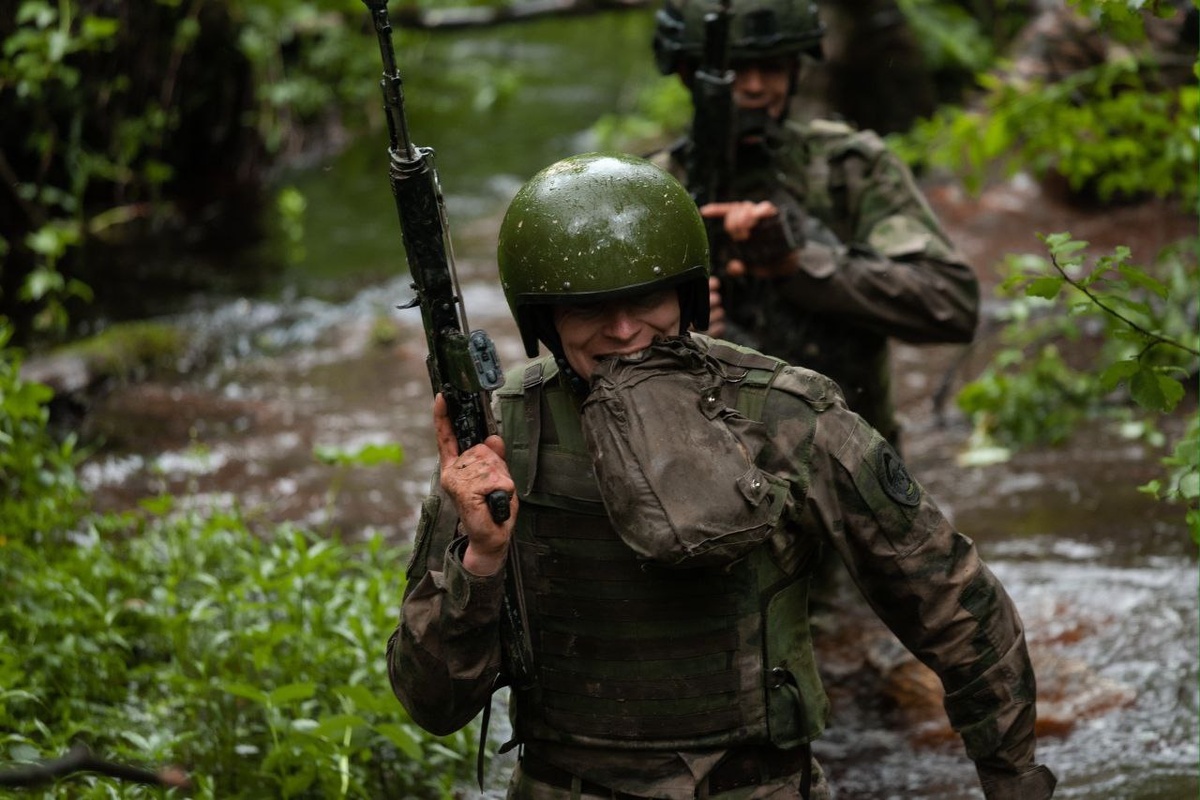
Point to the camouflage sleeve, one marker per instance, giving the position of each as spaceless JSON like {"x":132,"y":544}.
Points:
{"x":444,"y":655}
{"x":882,"y":258}
{"x":926,"y":581}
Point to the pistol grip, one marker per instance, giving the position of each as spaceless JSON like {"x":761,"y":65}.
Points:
{"x":498,"y":505}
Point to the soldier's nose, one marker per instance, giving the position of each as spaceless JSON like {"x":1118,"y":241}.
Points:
{"x":621,"y":325}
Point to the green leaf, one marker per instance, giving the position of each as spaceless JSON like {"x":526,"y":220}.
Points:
{"x":1137,"y":277}
{"x":1154,"y":391}
{"x":246,"y":691}
{"x":362,"y":698}
{"x":402,"y":738}
{"x":291,"y":693}
{"x":1047,"y":288}
{"x":1118,"y":372}
{"x":335,"y":727}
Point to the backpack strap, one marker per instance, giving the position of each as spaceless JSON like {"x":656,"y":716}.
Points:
{"x":531,"y":388}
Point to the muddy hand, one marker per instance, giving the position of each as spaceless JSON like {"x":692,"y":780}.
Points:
{"x":469,"y":478}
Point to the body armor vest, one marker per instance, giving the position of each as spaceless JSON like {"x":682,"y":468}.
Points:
{"x":630,"y":654}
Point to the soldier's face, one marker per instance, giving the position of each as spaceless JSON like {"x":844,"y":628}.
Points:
{"x":594,"y":331}
{"x":763,"y":84}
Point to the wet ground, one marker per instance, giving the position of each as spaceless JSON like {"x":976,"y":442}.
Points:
{"x":1105,"y":577}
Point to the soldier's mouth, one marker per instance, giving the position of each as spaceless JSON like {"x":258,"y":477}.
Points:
{"x":623,"y":354}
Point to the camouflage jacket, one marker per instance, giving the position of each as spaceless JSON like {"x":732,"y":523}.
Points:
{"x":875,"y":262}
{"x":849,"y":491}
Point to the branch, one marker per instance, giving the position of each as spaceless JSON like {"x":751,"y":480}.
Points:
{"x":485,"y":17}
{"x":81,"y":759}
{"x":1154,"y":337}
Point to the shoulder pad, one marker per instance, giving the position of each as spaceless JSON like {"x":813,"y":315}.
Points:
{"x":750,"y":365}
{"x":814,"y":388}
{"x":829,"y":127}
{"x":839,"y":138}
{"x":515,"y":378}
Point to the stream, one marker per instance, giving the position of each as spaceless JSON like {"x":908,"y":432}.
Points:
{"x":1105,"y":577}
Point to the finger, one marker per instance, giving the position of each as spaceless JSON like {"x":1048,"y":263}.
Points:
{"x":495,"y":444}
{"x":741,"y":221}
{"x":736,"y":267}
{"x":764,"y":209}
{"x":447,"y":442}
{"x":713,"y":210}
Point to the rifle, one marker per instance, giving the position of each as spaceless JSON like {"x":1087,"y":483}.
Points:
{"x":711,"y":154}
{"x":462,"y":366}
{"x":710,"y":164}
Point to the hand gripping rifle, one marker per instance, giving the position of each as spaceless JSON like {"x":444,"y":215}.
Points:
{"x":711,"y":151}
{"x":462,"y":366}
{"x":711,"y":163}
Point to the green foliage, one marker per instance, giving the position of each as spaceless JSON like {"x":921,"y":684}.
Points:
{"x":1182,"y":482}
{"x":254,"y":662}
{"x":1101,"y":129}
{"x":1114,"y":129}
{"x":128,"y":350}
{"x":662,"y":105}
{"x":309,"y":62}
{"x":1133,"y":333}
{"x":369,"y":455}
{"x":343,"y":460}
{"x":38,"y":66}
{"x":80,"y":170}
{"x":39,"y":492}
{"x":952,"y":38}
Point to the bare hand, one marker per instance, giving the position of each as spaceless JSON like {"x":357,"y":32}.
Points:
{"x":740,"y":218}
{"x":468,"y":479}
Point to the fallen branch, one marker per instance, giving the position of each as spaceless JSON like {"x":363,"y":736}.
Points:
{"x":490,"y":16}
{"x":80,"y":758}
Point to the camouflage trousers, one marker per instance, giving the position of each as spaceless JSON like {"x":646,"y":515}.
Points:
{"x":523,"y":787}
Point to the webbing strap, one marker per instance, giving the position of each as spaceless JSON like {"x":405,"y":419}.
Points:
{"x":532,"y":385}
{"x":746,"y":359}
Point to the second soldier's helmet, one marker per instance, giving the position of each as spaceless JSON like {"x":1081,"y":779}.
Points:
{"x":758,"y":29}
{"x":599,"y":227}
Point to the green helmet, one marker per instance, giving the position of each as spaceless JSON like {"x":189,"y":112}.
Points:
{"x":758,"y":29}
{"x":598,"y":227}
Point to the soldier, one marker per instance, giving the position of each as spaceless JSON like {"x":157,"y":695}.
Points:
{"x":863,"y":259}
{"x":672,"y":492}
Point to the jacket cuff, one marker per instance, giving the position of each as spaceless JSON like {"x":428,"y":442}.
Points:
{"x":1034,"y":784}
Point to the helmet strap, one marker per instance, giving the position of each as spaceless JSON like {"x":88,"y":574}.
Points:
{"x":577,"y":384}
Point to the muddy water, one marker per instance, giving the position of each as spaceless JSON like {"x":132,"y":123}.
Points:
{"x":1104,"y":576}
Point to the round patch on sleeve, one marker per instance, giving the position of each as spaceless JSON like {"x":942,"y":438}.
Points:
{"x":894,"y":476}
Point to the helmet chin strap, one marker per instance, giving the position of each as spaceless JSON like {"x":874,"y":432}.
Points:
{"x":577,"y":384}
